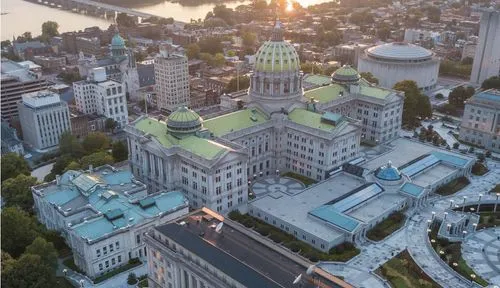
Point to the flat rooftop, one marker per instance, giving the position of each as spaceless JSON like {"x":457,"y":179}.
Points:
{"x":235,"y":121}
{"x":403,"y":151}
{"x":376,"y":207}
{"x":278,"y":204}
{"x":432,"y":175}
{"x":240,"y":257}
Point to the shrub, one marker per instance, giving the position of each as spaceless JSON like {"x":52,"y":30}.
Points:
{"x":263,"y":230}
{"x":294,"y":246}
{"x":134,"y":261}
{"x":235,"y":215}
{"x":248,"y":222}
{"x":132,"y":279}
{"x":456,"y":145}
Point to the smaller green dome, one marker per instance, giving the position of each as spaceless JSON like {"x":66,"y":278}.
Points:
{"x":183,"y":121}
{"x":117,"y":42}
{"x":346,"y":74}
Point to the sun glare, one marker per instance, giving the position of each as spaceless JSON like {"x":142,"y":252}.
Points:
{"x":289,"y":6}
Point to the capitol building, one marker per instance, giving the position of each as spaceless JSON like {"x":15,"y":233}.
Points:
{"x":278,"y":128}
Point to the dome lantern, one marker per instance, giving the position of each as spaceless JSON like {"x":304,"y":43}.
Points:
{"x":184,"y":121}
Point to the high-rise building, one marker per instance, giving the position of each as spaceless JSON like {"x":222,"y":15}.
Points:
{"x":98,"y":95}
{"x":171,"y":79}
{"x":44,"y":117}
{"x":480,"y":123}
{"x":17,"y":79}
{"x":487,"y":59}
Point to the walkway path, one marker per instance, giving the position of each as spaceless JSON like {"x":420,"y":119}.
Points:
{"x":483,"y":250}
{"x":414,"y":238}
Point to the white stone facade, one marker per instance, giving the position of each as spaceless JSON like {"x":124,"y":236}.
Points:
{"x":487,"y":59}
{"x":102,"y":97}
{"x":44,"y":117}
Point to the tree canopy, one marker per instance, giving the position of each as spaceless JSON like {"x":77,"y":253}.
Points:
{"x":232,"y":86}
{"x":16,"y":191}
{"x":415,"y":104}
{"x":119,"y":151}
{"x":28,"y":271}
{"x":97,"y":159}
{"x":458,"y":96}
{"x":368,"y":76}
{"x":124,"y":20}
{"x":49,"y":29}
{"x":211,"y":45}
{"x":13,"y":165}
{"x":492,"y":82}
{"x":95,"y":142}
{"x":18,"y":231}
{"x":248,"y":39}
{"x":44,"y":249}
{"x":68,"y":144}
{"x":192,"y":51}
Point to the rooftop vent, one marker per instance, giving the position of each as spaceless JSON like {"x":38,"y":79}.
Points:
{"x":131,"y":219}
{"x":113,"y":214}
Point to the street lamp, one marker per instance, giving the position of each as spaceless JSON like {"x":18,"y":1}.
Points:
{"x":81,"y":283}
{"x":464,"y":233}
{"x":433,"y":241}
{"x":463,"y":205}
{"x":445,"y":214}
{"x":475,"y":226}
{"x":472,"y":277}
{"x":448,"y":228}
{"x":455,"y":264}
{"x":451,"y":203}
{"x":65,"y":271}
{"x":479,"y":202}
{"x":495,"y":210}
{"x":429,"y":221}
{"x":433,"y":215}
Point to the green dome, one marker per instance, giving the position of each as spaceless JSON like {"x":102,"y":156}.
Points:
{"x":117,"y":42}
{"x":184,"y":120}
{"x":346,"y":74}
{"x":274,"y":56}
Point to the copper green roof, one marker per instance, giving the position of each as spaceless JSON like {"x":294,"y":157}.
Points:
{"x":277,"y":56}
{"x":375,"y":92}
{"x":235,"y":121}
{"x":325,"y":94}
{"x":117,"y":41}
{"x":199,"y":146}
{"x":184,"y":120}
{"x":319,"y":80}
{"x":346,"y":74}
{"x":310,"y":119}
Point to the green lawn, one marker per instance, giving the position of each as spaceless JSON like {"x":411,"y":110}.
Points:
{"x":453,"y":254}
{"x":479,"y":169}
{"x":385,"y":228}
{"x":402,"y":272}
{"x":496,"y":189}
{"x":342,"y":252}
{"x":453,"y":187}
{"x":306,"y":180}
{"x":489,"y":219}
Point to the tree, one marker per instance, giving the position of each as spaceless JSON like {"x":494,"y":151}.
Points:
{"x":49,"y":29}
{"x":232,"y":86}
{"x":384,"y":32}
{"x":492,"y":82}
{"x":17,"y":191}
{"x":368,"y":76}
{"x":18,"y":231}
{"x":458,"y":96}
{"x":68,"y":144}
{"x":110,"y":124}
{"x":61,"y":164}
{"x":224,"y":13}
{"x":70,"y":76}
{"x":124,"y":20}
{"x":29,"y":271}
{"x":73,"y":165}
{"x":95,"y":142}
{"x":5,"y":44}
{"x":119,"y":151}
{"x":248,"y":39}
{"x":434,"y":14}
{"x":439,"y":96}
{"x":25,"y":37}
{"x":456,"y":145}
{"x":361,"y":18}
{"x":415,"y":103}
{"x":13,"y":165}
{"x":193,"y":51}
{"x":45,"y":250}
{"x":131,"y":279}
{"x":311,"y":68}
{"x":96,"y":159}
{"x":211,"y":45}
{"x":219,"y":60}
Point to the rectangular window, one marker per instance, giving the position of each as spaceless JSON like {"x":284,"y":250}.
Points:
{"x":119,"y":258}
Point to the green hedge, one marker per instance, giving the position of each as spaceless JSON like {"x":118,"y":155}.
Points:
{"x":453,"y":186}
{"x":132,"y":263}
{"x":385,"y":228}
{"x":306,"y":180}
{"x":342,"y":252}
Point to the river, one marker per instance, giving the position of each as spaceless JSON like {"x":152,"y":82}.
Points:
{"x":21,"y":16}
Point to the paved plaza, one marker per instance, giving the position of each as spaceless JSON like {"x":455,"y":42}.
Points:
{"x":271,"y":185}
{"x":482,"y":252}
